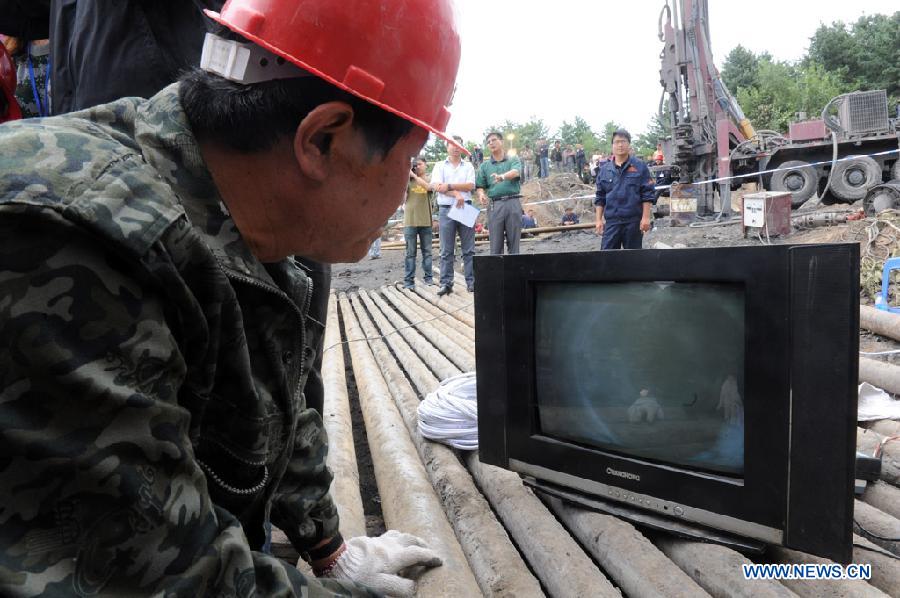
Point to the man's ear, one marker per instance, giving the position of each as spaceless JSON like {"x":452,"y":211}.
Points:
{"x":326,"y":126}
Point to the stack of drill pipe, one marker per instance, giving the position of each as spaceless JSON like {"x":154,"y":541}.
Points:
{"x":453,"y":344}
{"x":868,"y":440}
{"x":462,"y":301}
{"x":717,"y":569}
{"x":880,"y":322}
{"x":886,"y":427}
{"x":424,"y":381}
{"x":338,"y":426}
{"x":412,"y":360}
{"x":882,"y":496}
{"x":461,"y":313}
{"x":885,"y":571}
{"x":546,"y":544}
{"x":880,"y":373}
{"x":436,"y":312}
{"x":633,"y":562}
{"x":425,"y":349}
{"x":876,"y":525}
{"x":549,"y":549}
{"x":497,"y":566}
{"x":460,"y":357}
{"x":821,"y":588}
{"x":408,"y":501}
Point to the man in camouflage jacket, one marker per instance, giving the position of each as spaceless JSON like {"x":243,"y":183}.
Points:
{"x":159,"y":344}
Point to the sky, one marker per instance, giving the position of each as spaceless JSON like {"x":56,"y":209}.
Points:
{"x":599,"y":59}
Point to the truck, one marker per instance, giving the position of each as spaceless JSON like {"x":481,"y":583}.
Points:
{"x":849,"y":153}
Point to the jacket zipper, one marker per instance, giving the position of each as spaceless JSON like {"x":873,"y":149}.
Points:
{"x":281,"y":294}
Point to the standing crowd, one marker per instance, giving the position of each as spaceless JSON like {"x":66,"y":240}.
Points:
{"x":623,"y":200}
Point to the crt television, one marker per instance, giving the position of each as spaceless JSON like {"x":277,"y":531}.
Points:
{"x":711,"y":387}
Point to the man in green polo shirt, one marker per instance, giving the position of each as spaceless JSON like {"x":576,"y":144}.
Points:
{"x":500,"y":176}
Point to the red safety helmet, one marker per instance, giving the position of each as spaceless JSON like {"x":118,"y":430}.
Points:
{"x":8,"y":86}
{"x":401,"y":55}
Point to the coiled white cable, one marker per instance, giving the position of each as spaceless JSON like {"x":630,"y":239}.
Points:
{"x":450,"y":414}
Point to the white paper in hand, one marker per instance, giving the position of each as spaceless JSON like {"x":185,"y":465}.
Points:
{"x":464,"y":215}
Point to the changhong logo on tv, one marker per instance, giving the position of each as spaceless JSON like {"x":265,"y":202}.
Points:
{"x":623,"y":474}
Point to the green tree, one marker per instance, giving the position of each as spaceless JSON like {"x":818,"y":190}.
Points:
{"x":578,"y":131}
{"x":659,"y":129}
{"x":784,"y":89}
{"x":604,"y":142}
{"x":740,"y":69}
{"x":526,"y":133}
{"x":864,"y":55}
{"x":435,"y":149}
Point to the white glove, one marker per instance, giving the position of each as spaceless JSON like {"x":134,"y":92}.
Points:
{"x":375,"y":562}
{"x":645,"y":408}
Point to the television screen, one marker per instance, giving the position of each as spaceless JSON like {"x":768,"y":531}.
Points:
{"x":650,"y":370}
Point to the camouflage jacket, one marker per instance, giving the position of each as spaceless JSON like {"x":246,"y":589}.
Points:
{"x":153,"y":409}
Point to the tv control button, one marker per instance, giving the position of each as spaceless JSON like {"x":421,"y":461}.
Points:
{"x":678,"y":511}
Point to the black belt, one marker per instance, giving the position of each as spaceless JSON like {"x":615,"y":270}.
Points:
{"x":502,"y":197}
{"x":450,"y":205}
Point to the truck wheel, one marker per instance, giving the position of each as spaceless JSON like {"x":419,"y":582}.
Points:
{"x":797,"y":178}
{"x":895,"y":170}
{"x":852,"y":178}
{"x":882,"y":197}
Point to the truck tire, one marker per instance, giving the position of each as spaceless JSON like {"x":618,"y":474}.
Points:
{"x":885,"y":196}
{"x":853,"y":177}
{"x":797,"y":178}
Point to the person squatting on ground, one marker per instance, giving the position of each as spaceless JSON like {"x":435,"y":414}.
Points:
{"x":453,"y":179}
{"x":625,"y":194}
{"x":417,"y":225}
{"x":500,"y":176}
{"x":159,"y":383}
{"x":569,"y":217}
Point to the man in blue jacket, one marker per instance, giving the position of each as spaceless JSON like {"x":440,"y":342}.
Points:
{"x":625,"y":192}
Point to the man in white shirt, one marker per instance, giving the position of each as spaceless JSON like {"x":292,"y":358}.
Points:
{"x":453,"y":180}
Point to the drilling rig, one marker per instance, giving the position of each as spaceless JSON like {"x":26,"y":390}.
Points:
{"x":850,"y":153}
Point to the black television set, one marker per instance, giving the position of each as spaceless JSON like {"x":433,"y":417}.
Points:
{"x":713,"y":389}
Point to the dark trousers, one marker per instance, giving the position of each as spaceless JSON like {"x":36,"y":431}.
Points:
{"x":622,"y":235}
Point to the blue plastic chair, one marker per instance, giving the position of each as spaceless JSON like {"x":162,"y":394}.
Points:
{"x":882,"y":301}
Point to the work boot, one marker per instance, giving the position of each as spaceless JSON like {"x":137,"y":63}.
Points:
{"x":445,"y":290}
{"x":470,"y":287}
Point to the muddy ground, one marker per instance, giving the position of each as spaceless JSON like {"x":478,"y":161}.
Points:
{"x":389,"y":268}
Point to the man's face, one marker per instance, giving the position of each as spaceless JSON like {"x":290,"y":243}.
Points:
{"x":359,"y":199}
{"x":453,"y":151}
{"x":495,"y":143}
{"x":620,"y":147}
